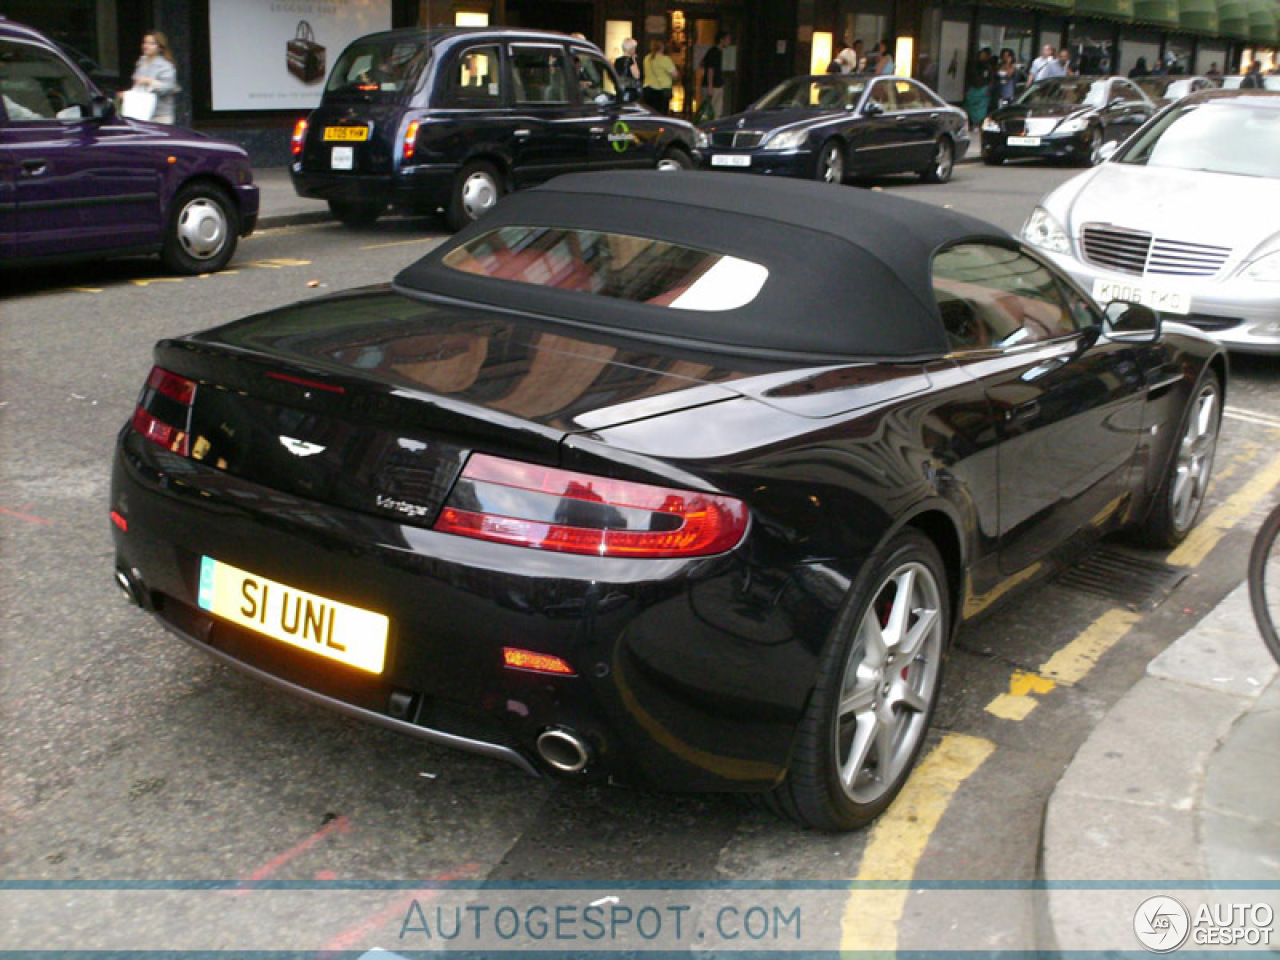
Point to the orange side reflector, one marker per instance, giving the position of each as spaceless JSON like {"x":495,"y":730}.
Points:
{"x":119,"y":520}
{"x":537,"y":662}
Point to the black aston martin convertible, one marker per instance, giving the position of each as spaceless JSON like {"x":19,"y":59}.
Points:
{"x":673,"y":481}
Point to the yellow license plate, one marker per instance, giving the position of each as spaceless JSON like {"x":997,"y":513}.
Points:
{"x":346,"y":133}
{"x":339,"y":631}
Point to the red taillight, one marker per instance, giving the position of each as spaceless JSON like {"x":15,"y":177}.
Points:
{"x":120,"y":521}
{"x":519,"y":659}
{"x":164,"y":409}
{"x":411,"y":140}
{"x":549,"y":509}
{"x":299,"y":135}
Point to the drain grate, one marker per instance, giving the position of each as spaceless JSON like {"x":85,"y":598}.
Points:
{"x":1124,"y":576}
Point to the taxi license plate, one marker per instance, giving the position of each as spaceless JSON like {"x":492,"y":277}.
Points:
{"x":342,"y":158}
{"x":346,"y":133}
{"x":1024,"y":141}
{"x":1159,"y":299}
{"x":308,"y":621}
{"x":730,"y":160}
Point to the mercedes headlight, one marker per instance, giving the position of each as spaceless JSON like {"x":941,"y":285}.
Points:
{"x":1076,"y":125}
{"x":1041,"y":230}
{"x":701,"y":139}
{"x":786,"y":140}
{"x":1265,"y":269}
{"x":991,"y":125}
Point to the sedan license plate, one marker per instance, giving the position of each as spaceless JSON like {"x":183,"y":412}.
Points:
{"x":730,"y":160}
{"x":1160,"y":299}
{"x":342,"y":158}
{"x":308,"y":621}
{"x":346,"y":133}
{"x":1024,"y":141}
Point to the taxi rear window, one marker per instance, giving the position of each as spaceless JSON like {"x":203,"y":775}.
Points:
{"x":378,"y":68}
{"x":614,"y":265}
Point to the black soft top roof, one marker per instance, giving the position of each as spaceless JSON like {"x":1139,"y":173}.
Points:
{"x":849,"y":269}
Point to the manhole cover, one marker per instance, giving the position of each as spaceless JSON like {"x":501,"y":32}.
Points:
{"x":1124,"y":576}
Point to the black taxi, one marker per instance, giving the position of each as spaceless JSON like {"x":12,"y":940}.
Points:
{"x":453,"y":118}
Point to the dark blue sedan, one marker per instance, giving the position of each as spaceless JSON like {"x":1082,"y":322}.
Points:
{"x":831,"y":127}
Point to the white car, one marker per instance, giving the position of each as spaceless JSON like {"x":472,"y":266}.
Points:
{"x":1183,"y":218}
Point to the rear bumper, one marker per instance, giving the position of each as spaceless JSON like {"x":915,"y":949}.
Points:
{"x":248,"y":196}
{"x":421,"y":187}
{"x":789,"y":163}
{"x":683,"y":681}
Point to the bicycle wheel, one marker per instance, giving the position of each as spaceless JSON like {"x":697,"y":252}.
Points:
{"x":1264,"y":581}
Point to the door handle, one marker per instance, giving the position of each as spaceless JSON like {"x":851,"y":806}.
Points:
{"x":35,"y":168}
{"x":1025,"y":411}
{"x":596,"y":131}
{"x":900,"y":118}
{"x":523,"y":133}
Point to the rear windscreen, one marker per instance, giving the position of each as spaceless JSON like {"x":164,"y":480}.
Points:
{"x":615,"y":265}
{"x":378,"y":68}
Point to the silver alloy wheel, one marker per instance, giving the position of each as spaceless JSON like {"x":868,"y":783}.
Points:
{"x":1195,"y":458}
{"x":202,"y":228}
{"x":943,"y":161}
{"x":890,"y":681}
{"x":831,"y":164}
{"x":479,"y":194}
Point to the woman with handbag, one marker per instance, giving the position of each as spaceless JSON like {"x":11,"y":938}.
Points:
{"x":155,"y":75}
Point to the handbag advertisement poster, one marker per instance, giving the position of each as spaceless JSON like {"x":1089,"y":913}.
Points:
{"x":276,"y":55}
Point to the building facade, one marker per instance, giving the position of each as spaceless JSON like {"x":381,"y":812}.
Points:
{"x":250,"y":68}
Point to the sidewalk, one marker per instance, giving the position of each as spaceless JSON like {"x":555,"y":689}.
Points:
{"x":1178,"y":786}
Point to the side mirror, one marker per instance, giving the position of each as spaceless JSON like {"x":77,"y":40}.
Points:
{"x":872,"y":109}
{"x":1131,"y":321}
{"x":102,"y":108}
{"x":1108,"y":150}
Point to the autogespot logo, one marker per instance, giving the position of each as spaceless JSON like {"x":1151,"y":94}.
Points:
{"x":1161,"y":924}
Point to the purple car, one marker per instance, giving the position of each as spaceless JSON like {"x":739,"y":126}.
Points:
{"x":77,"y":181}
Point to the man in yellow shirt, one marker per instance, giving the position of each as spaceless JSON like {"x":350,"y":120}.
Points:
{"x":659,"y":75}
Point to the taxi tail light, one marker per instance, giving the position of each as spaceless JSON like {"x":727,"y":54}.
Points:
{"x":544,"y":508}
{"x":164,"y":410}
{"x":299,"y":135}
{"x":410,"y":140}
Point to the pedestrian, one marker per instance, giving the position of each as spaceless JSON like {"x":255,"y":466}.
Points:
{"x":1064,"y":61}
{"x":884,"y":59}
{"x":712,"y":83}
{"x":155,"y":74}
{"x":1041,"y":64}
{"x":1004,"y":81}
{"x":1213,"y":70}
{"x":1139,"y":68}
{"x":977,"y":86}
{"x":1253,"y":77}
{"x":660,"y":74}
{"x":859,"y":57}
{"x":627,"y":67}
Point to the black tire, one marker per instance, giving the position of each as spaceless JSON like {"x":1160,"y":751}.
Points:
{"x":202,"y":232}
{"x":1264,"y":581}
{"x":1186,"y":479}
{"x":943,"y":163}
{"x":676,"y":159}
{"x":993,"y":159}
{"x":476,"y":190}
{"x":831,"y":165}
{"x":873,"y":692}
{"x":356,"y":213}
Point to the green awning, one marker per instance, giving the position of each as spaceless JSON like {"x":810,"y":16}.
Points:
{"x":1109,"y":9}
{"x":1161,"y":13}
{"x":1233,"y":19}
{"x":1198,"y":15}
{"x":1262,"y":22}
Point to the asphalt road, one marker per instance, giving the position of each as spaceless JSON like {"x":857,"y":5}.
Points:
{"x":136,"y":773}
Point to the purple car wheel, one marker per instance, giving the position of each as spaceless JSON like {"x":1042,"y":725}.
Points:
{"x":202,"y":231}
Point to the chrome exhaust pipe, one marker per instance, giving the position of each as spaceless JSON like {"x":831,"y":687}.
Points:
{"x":130,"y":587}
{"x":563,"y":750}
